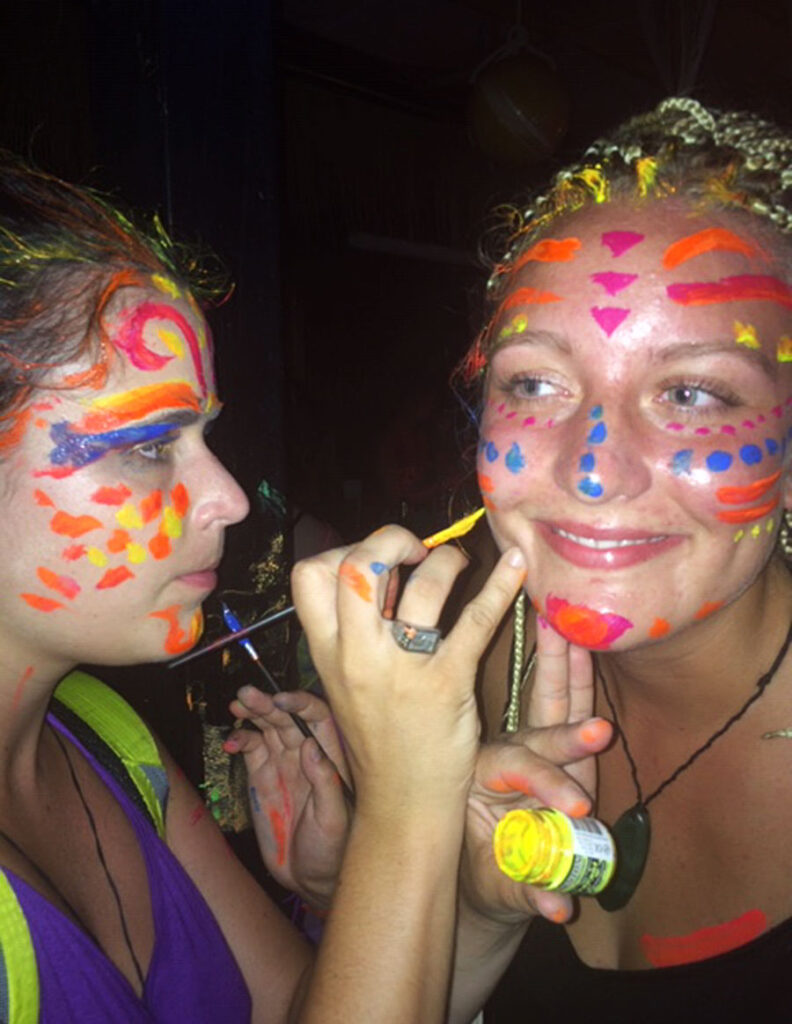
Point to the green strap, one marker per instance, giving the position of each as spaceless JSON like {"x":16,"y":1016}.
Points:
{"x":125,"y":732}
{"x":19,"y":985}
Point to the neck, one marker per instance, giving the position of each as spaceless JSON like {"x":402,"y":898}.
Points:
{"x":699,"y":676}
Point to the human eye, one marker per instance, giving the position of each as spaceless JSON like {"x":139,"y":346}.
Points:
{"x":699,"y":396}
{"x":529,"y":386}
{"x":150,"y":453}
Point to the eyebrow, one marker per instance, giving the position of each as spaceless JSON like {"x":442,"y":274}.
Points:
{"x":538,"y":339}
{"x":694,"y":348}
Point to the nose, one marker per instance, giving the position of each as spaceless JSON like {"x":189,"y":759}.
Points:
{"x":600,"y":460}
{"x":218,"y":498}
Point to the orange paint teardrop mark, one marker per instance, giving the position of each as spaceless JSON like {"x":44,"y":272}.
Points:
{"x":43,"y":499}
{"x":113,"y":577}
{"x":65,"y":585}
{"x":659,"y":628}
{"x":73,"y":552}
{"x":180,"y":500}
{"x":41,"y":604}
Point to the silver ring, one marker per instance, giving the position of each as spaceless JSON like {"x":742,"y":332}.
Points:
{"x":414,"y":639}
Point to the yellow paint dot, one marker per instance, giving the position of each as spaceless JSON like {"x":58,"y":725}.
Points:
{"x":129,"y":517}
{"x":96,"y":557}
{"x":739,"y":535}
{"x":164,"y":284}
{"x":171,"y":523}
{"x":171,"y":340}
{"x":135,"y":552}
{"x":784,"y":349}
{"x":770,"y":525}
{"x":745,"y":334}
{"x":756,"y":530}
{"x":520,"y":324}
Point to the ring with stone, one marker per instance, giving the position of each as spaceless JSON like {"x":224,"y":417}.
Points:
{"x":415,"y":639}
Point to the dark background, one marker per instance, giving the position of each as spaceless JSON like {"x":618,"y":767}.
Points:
{"x":325,"y":150}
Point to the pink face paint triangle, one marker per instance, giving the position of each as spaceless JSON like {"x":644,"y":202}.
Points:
{"x":613,"y":282}
{"x":609,"y":317}
{"x":620,"y":241}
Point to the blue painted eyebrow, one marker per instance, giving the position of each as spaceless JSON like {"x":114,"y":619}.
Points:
{"x":76,"y":450}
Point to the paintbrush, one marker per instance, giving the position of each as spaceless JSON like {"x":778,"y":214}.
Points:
{"x":457,"y":529}
{"x":234,"y":624}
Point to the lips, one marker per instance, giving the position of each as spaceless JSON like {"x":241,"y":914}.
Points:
{"x":606,"y":548}
{"x":202,"y":579}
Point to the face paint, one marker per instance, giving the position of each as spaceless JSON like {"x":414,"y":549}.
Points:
{"x":695,"y":445}
{"x":530,"y":297}
{"x":129,"y":337}
{"x":609,"y":317}
{"x":549,"y":250}
{"x":177,"y":640}
{"x":73,"y":451}
{"x":741,"y":288}
{"x":671,"y":951}
{"x":356,"y":581}
{"x":20,"y":687}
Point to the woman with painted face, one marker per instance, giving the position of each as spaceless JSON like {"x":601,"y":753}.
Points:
{"x":119,"y":899}
{"x":634,"y":446}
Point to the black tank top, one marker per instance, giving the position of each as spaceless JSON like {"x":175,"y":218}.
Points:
{"x":547,"y":982}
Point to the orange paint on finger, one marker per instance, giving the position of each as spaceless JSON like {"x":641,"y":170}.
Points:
{"x":742,"y":495}
{"x":356,"y":580}
{"x":747,"y":515}
{"x":509,"y":782}
{"x":704,"y":943}
{"x":279,"y":834}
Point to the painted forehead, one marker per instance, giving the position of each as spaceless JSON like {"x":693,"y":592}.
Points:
{"x":617,"y":257}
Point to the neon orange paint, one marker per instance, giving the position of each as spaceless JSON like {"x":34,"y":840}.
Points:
{"x":549,"y":250}
{"x":113,"y":577}
{"x":177,"y":641}
{"x":111,"y":495}
{"x":742,"y":495}
{"x":529,"y":297}
{"x":159,"y":546}
{"x":709,"y":240}
{"x":43,"y":499}
{"x":707,"y":609}
{"x":41,"y":604}
{"x":741,"y":288}
{"x":65,"y":585}
{"x":73,"y":526}
{"x":356,"y":580}
{"x":73,"y":552}
{"x":151,"y":506}
{"x":659,"y":628}
{"x":704,"y":943}
{"x":20,"y":687}
{"x":278,"y":833}
{"x":118,"y":541}
{"x":180,"y":500}
{"x":113,"y":411}
{"x":747,"y":515}
{"x":488,"y":504}
{"x":486,"y":486}
{"x":11,"y":437}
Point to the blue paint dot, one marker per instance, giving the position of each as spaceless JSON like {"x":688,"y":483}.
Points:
{"x":598,"y":434}
{"x":378,"y":568}
{"x":751,"y":454}
{"x":680,"y":463}
{"x":772,"y":446}
{"x":719,"y":462}
{"x":590,"y":487}
{"x":491,"y":452}
{"x":515,"y":460}
{"x":587,"y":462}
{"x":596,"y":412}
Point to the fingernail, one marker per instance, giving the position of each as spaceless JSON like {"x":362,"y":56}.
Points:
{"x":594,"y":731}
{"x":558,"y":916}
{"x":515,"y":558}
{"x":578,"y":809}
{"x":231,"y":746}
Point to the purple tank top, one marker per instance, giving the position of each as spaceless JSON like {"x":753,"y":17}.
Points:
{"x":192,"y":977}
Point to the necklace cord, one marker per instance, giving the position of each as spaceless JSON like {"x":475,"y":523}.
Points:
{"x":761,"y":685}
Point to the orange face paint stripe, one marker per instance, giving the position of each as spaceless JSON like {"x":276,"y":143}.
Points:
{"x":549,"y":250}
{"x":747,"y":515}
{"x":709,"y":240}
{"x":529,"y":297}
{"x":177,"y":641}
{"x":704,"y":943}
{"x":742,"y":288}
{"x":742,"y":495}
{"x":113,"y":577}
{"x":180,"y":499}
{"x":707,"y":609}
{"x":73,"y":526}
{"x":151,"y":506}
{"x":65,"y":585}
{"x":111,"y":495}
{"x":115,"y":410}
{"x":41,"y":604}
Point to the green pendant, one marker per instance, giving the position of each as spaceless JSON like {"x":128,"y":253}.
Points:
{"x":631,"y":833}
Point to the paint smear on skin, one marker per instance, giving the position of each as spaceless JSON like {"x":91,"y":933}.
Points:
{"x":514,"y":459}
{"x":178,"y":641}
{"x":129,"y":517}
{"x":745,"y":334}
{"x":549,"y":250}
{"x":151,"y":506}
{"x":114,"y":577}
{"x":128,"y":337}
{"x":20,"y":687}
{"x":254,"y":800}
{"x":742,"y":495}
{"x":612,"y":282}
{"x":509,"y":782}
{"x":278,"y":833}
{"x":705,"y":943}
{"x":378,"y":568}
{"x":171,"y":523}
{"x":486,"y":486}
{"x":197,"y":814}
{"x":43,"y":499}
{"x":119,"y":540}
{"x":180,"y":499}
{"x":114,"y":411}
{"x":111,"y":495}
{"x":748,"y":515}
{"x":707,"y":609}
{"x":164,"y":284}
{"x":529,"y":297}
{"x":73,"y":526}
{"x":585,"y":626}
{"x":96,"y":557}
{"x":356,"y":581}
{"x":159,"y":546}
{"x":136,"y":553}
{"x":73,"y":552}
{"x":619,"y":242}
{"x":659,"y":628}
{"x":708,"y":240}
{"x":73,"y":450}
{"x":609,"y":317}
{"x":742,"y":288}
{"x":784,"y":349}
{"x":65,"y":585}
{"x":172,"y":341}
{"x":288,"y":808}
{"x":41,"y":604}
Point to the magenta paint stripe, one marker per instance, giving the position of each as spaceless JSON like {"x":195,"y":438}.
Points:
{"x":741,"y":288}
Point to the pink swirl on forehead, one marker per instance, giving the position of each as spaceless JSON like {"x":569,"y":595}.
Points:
{"x":129,"y":338}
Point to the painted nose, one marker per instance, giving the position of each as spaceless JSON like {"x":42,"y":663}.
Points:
{"x":220,"y":499}
{"x":601,"y":461}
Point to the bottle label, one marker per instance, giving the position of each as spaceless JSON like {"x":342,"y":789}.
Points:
{"x":593,"y":857}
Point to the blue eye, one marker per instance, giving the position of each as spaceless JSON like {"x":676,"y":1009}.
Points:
{"x":699,"y":395}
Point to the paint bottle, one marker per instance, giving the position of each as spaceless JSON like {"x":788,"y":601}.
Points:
{"x":549,"y":849}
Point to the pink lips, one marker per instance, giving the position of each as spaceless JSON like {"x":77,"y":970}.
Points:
{"x":206,"y":579}
{"x":606,"y":548}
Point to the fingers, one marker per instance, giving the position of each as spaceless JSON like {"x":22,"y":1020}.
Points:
{"x":563,"y":688}
{"x":428,"y":587}
{"x":330,"y":808}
